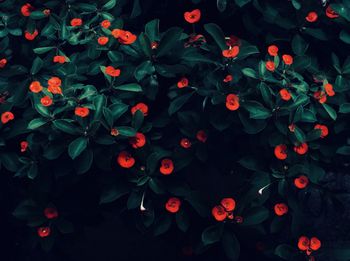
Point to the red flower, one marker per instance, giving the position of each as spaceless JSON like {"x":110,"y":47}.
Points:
{"x":309,"y":245}
{"x":44,"y":231}
{"x":46,"y":101}
{"x":329,"y":89}
{"x":231,"y":53}
{"x":114,"y":132}
{"x":315,"y":243}
{"x":76,"y":22}
{"x":111,"y":71}
{"x":46,"y":12}
{"x":31,"y":36}
{"x":26,"y":9}
{"x":320,"y":96}
{"x":24,"y":146}
{"x":281,"y":152}
{"x":311,"y":17}
{"x":105,"y":24}
{"x":301,"y":182}
{"x":125,"y":160}
{"x":287,"y":59}
{"x":232,"y":102}
{"x":6,"y":117}
{"x":59,"y":59}
{"x":201,"y":136}
{"x":54,"y":89}
{"x":228,"y":203}
{"x":182,"y":83}
{"x":185,"y":143}
{"x":281,"y":209}
{"x":3,"y":63}
{"x":166,"y":166}
{"x":323,"y":128}
{"x":291,"y":127}
{"x":303,"y":243}
{"x":50,"y":212}
{"x":219,"y":213}
{"x":301,"y":149}
{"x":228,"y":78}
{"x":330,"y":13}
{"x":124,"y":37}
{"x":270,"y":66}
{"x":173,"y":205}
{"x":103,"y":40}
{"x":81,"y":111}
{"x":272,"y":50}
{"x":54,"y":81}
{"x":35,"y":87}
{"x":138,"y":141}
{"x":154,"y":45}
{"x":193,"y":16}
{"x":140,"y":106}
{"x":285,"y":95}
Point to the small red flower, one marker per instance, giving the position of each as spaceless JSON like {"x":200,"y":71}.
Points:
{"x":54,"y":81}
{"x":44,"y":232}
{"x":59,"y":59}
{"x":311,"y":17}
{"x":309,"y":245}
{"x":46,"y":12}
{"x":270,"y":66}
{"x":281,"y":152}
{"x":35,"y":87}
{"x":185,"y":143}
{"x":291,"y":127}
{"x":323,"y":128}
{"x":124,"y":37}
{"x":114,"y":132}
{"x":301,"y":149}
{"x":140,"y":106}
{"x":285,"y":95}
{"x":26,"y":9}
{"x":105,"y":24}
{"x":281,"y":209}
{"x":3,"y":63}
{"x":81,"y":111}
{"x":166,"y":166}
{"x":219,"y":213}
{"x":202,"y":136}
{"x":272,"y":50}
{"x":50,"y":212}
{"x":31,"y":36}
{"x":24,"y":146}
{"x":320,"y":96}
{"x":154,"y":45}
{"x":103,"y":40}
{"x":193,"y":16}
{"x":229,"y":204}
{"x":228,"y":78}
{"x":111,"y":71}
{"x":173,"y":205}
{"x":138,"y":141}
{"x":303,"y":243}
{"x":46,"y":101}
{"x":76,"y":22}
{"x":232,"y":102}
{"x":182,"y":83}
{"x":301,"y":182}
{"x":231,"y":53}
{"x":329,"y":89}
{"x":315,"y":243}
{"x":330,"y":13}
{"x":287,"y":59}
{"x":125,"y":160}
{"x":6,"y":117}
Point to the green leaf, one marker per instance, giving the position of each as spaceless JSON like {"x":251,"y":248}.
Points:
{"x":36,"y":15}
{"x":168,"y":41}
{"x":216,"y":32}
{"x":344,"y":36}
{"x":109,"y":5}
{"x":257,"y":110}
{"x":344,"y":150}
{"x":299,"y":45}
{"x":126,"y":131}
{"x":285,"y":251}
{"x":241,"y":3}
{"x":255,"y":215}
{"x":344,"y":108}
{"x":137,"y":119}
{"x":212,"y":234}
{"x":182,"y":220}
{"x":221,"y":4}
{"x":36,"y":123}
{"x":131,"y":87}
{"x":178,"y":102}
{"x":250,"y":73}
{"x":111,"y":194}
{"x":66,"y":126}
{"x":331,"y":112}
{"x":231,"y":245}
{"x":144,"y":69}
{"x":152,"y":30}
{"x":36,"y":66}
{"x":42,"y":50}
{"x":162,"y":225}
{"x":77,"y":146}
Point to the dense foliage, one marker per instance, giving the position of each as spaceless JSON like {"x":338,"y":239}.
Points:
{"x":225,"y":132}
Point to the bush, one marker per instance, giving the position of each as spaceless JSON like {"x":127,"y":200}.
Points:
{"x":224,"y":126}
